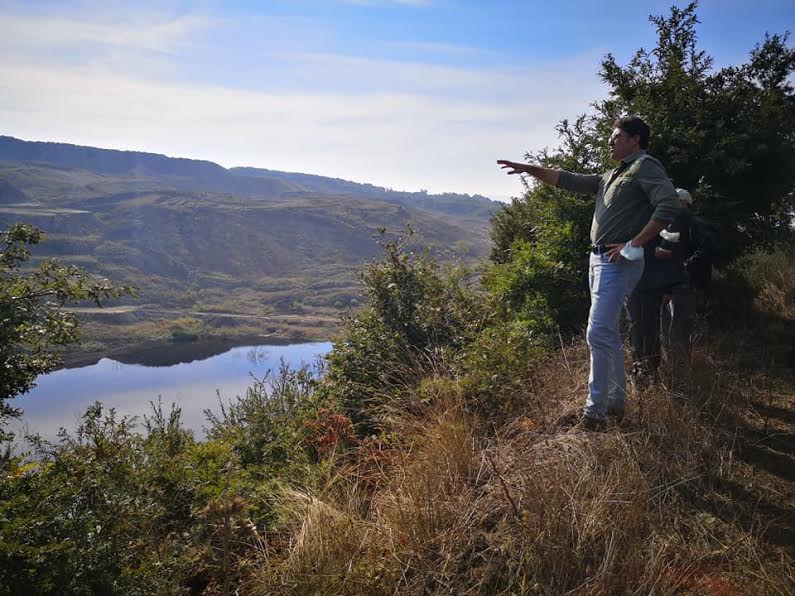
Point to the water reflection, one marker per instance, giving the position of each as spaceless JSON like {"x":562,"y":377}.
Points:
{"x":257,"y":355}
{"x":63,"y":396}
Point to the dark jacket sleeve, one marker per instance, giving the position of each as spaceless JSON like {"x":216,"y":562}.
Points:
{"x":700,"y":237}
{"x":681,"y":226}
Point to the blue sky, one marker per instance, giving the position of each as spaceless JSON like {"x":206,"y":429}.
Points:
{"x":407,"y":94}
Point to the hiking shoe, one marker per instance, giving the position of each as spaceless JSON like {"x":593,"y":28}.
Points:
{"x":617,"y":413}
{"x":643,"y":379}
{"x":570,"y":420}
{"x":591,"y":424}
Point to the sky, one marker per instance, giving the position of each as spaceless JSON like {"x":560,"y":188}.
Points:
{"x":406,"y":94}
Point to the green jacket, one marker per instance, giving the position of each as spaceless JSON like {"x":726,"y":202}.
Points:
{"x":627,"y":197}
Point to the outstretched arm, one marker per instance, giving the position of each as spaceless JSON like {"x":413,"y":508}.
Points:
{"x":547,"y":175}
{"x":586,"y":184}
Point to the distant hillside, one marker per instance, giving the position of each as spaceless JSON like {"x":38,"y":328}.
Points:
{"x":202,"y":176}
{"x":220,"y":252}
{"x":460,"y":204}
{"x":105,"y":161}
{"x":173,"y":172}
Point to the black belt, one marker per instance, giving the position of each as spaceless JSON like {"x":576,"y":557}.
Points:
{"x":600,"y":249}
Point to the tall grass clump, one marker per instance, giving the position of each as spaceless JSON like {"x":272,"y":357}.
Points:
{"x":448,"y":502}
{"x":471,"y":481}
{"x":754,"y":299}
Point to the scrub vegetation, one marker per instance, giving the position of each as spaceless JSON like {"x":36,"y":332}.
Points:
{"x":430,"y":454}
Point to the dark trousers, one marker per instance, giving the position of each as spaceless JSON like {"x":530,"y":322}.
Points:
{"x":643,"y":310}
{"x":649,"y":318}
{"x":679,"y":321}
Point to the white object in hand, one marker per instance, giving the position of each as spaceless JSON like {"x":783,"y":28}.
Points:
{"x":631,"y":253}
{"x":669,"y":236}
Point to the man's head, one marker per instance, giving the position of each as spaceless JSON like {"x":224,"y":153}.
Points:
{"x":629,"y":135}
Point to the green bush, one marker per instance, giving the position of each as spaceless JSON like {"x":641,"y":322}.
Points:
{"x":266,"y":427}
{"x":84,"y":519}
{"x":418,"y":316}
{"x":496,"y":366}
{"x":538,"y":275}
{"x":108,"y":510}
{"x":33,"y":322}
{"x":757,"y":291}
{"x":186,"y":330}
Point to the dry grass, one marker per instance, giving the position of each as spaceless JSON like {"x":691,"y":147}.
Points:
{"x":669,"y":502}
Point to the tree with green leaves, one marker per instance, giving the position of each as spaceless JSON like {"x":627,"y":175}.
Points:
{"x":725,"y":135}
{"x":33,"y":321}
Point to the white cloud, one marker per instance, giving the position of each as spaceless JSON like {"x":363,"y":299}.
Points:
{"x":161,"y":35}
{"x":395,"y":74}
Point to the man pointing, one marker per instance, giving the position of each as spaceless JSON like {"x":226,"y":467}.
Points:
{"x":633,"y":202}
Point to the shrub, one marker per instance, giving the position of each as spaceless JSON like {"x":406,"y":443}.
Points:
{"x":757,"y":291}
{"x":83,"y":519}
{"x":266,"y":426}
{"x":418,"y":316}
{"x":186,"y":330}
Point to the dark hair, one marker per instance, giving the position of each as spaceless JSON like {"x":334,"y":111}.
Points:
{"x":632,"y":125}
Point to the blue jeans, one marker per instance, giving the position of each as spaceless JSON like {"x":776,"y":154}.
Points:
{"x":610,"y":284}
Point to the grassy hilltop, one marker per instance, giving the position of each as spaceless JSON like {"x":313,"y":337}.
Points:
{"x":433,"y":456}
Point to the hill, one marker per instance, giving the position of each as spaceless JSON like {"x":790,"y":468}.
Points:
{"x":194,"y":237}
{"x":452,"y":203}
{"x":197,"y":175}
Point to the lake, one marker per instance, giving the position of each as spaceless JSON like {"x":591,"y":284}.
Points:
{"x":61,"y":397}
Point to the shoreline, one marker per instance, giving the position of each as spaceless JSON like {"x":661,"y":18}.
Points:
{"x":164,"y":352}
